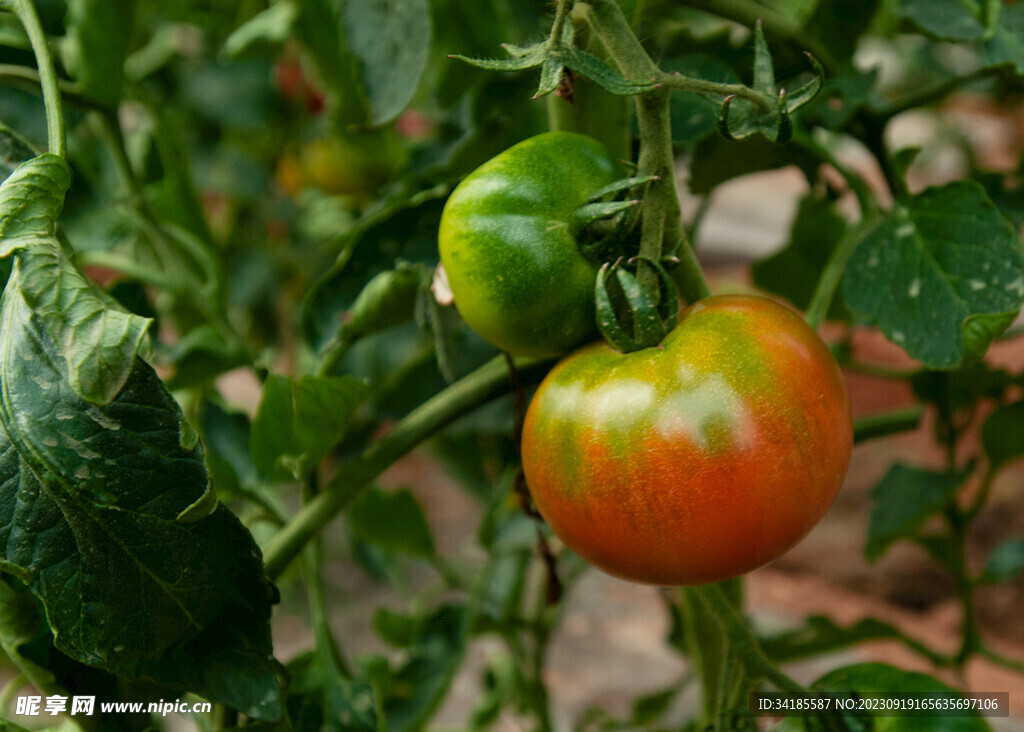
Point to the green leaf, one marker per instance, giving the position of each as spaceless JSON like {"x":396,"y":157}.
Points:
{"x":1006,"y":46}
{"x":419,"y":686}
{"x":108,"y":516}
{"x":391,"y":39}
{"x":31,"y":199}
{"x":954,"y":391}
{"x":99,"y":34}
{"x":271,"y":26}
{"x":297,"y":423}
{"x":871,"y":679}
{"x":1002,"y":436}
{"x":843,"y":96}
{"x":322,"y":699}
{"x":1005,"y":563}
{"x":793,"y":272}
{"x":319,"y":27}
{"x":945,"y":20}
{"x":939,"y":259}
{"x":902,"y":501}
{"x":393,"y":522}
{"x":716,"y":160}
{"x":839,"y":25}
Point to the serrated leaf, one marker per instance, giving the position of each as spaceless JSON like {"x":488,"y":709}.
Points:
{"x":99,"y":33}
{"x":298,"y":422}
{"x":272,"y":25}
{"x":1005,"y":563}
{"x":392,"y":521}
{"x":602,"y":74}
{"x":391,"y":39}
{"x":945,"y":20}
{"x":31,"y":199}
{"x":91,"y":496}
{"x":902,"y":501}
{"x":1002,"y":434}
{"x":938,"y":259}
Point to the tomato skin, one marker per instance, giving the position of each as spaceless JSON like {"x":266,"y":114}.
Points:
{"x":697,"y":460}
{"x":516,"y":271}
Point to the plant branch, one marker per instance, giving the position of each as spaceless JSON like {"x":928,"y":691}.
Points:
{"x":830,"y":277}
{"x":743,"y":644}
{"x":874,"y":426}
{"x":69,"y":90}
{"x":486,"y":383}
{"x":661,"y":225}
{"x":57,"y":138}
{"x":679,"y":82}
{"x":929,"y":94}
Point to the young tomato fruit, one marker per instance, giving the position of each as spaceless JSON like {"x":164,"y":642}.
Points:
{"x":697,"y":460}
{"x":515,"y":269}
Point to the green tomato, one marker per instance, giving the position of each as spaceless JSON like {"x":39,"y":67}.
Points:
{"x":516,"y":271}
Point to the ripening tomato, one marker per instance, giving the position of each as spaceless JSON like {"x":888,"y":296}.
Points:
{"x":517,"y":272}
{"x":696,"y":460}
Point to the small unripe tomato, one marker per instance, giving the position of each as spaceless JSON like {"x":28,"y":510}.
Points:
{"x":697,"y":460}
{"x":517,"y":272}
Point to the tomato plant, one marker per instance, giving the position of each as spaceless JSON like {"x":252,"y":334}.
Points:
{"x":262,"y":469}
{"x":696,"y":461}
{"x":516,"y":269}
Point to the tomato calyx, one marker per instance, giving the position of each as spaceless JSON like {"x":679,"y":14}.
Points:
{"x":605,"y":224}
{"x":629,"y":316}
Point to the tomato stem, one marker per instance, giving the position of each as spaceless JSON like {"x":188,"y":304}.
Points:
{"x":472,"y":391}
{"x":661,"y":227}
{"x":26,"y":13}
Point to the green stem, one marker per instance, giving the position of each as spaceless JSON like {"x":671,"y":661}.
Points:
{"x":679,"y":82}
{"x":486,"y":383}
{"x":742,"y":642}
{"x":26,"y":13}
{"x":890,"y":423}
{"x":830,"y":277}
{"x":313,"y":573}
{"x":929,"y":95}
{"x":661,"y":226}
{"x":866,"y":199}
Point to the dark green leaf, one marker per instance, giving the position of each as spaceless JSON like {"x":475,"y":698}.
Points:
{"x":322,"y":699}
{"x":391,"y":39}
{"x":393,"y":521}
{"x":319,"y":27}
{"x":953,"y":391}
{"x":902,"y":501}
{"x":871,"y":679}
{"x":1005,"y":563}
{"x":1006,"y":46}
{"x":419,"y":686}
{"x":398,"y":629}
{"x":945,"y":20}
{"x":794,"y":271}
{"x":297,"y":423}
{"x":1002,"y":434}
{"x":939,"y":259}
{"x":273,"y":433}
{"x":110,"y":519}
{"x":99,"y":34}
{"x":843,"y":96}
